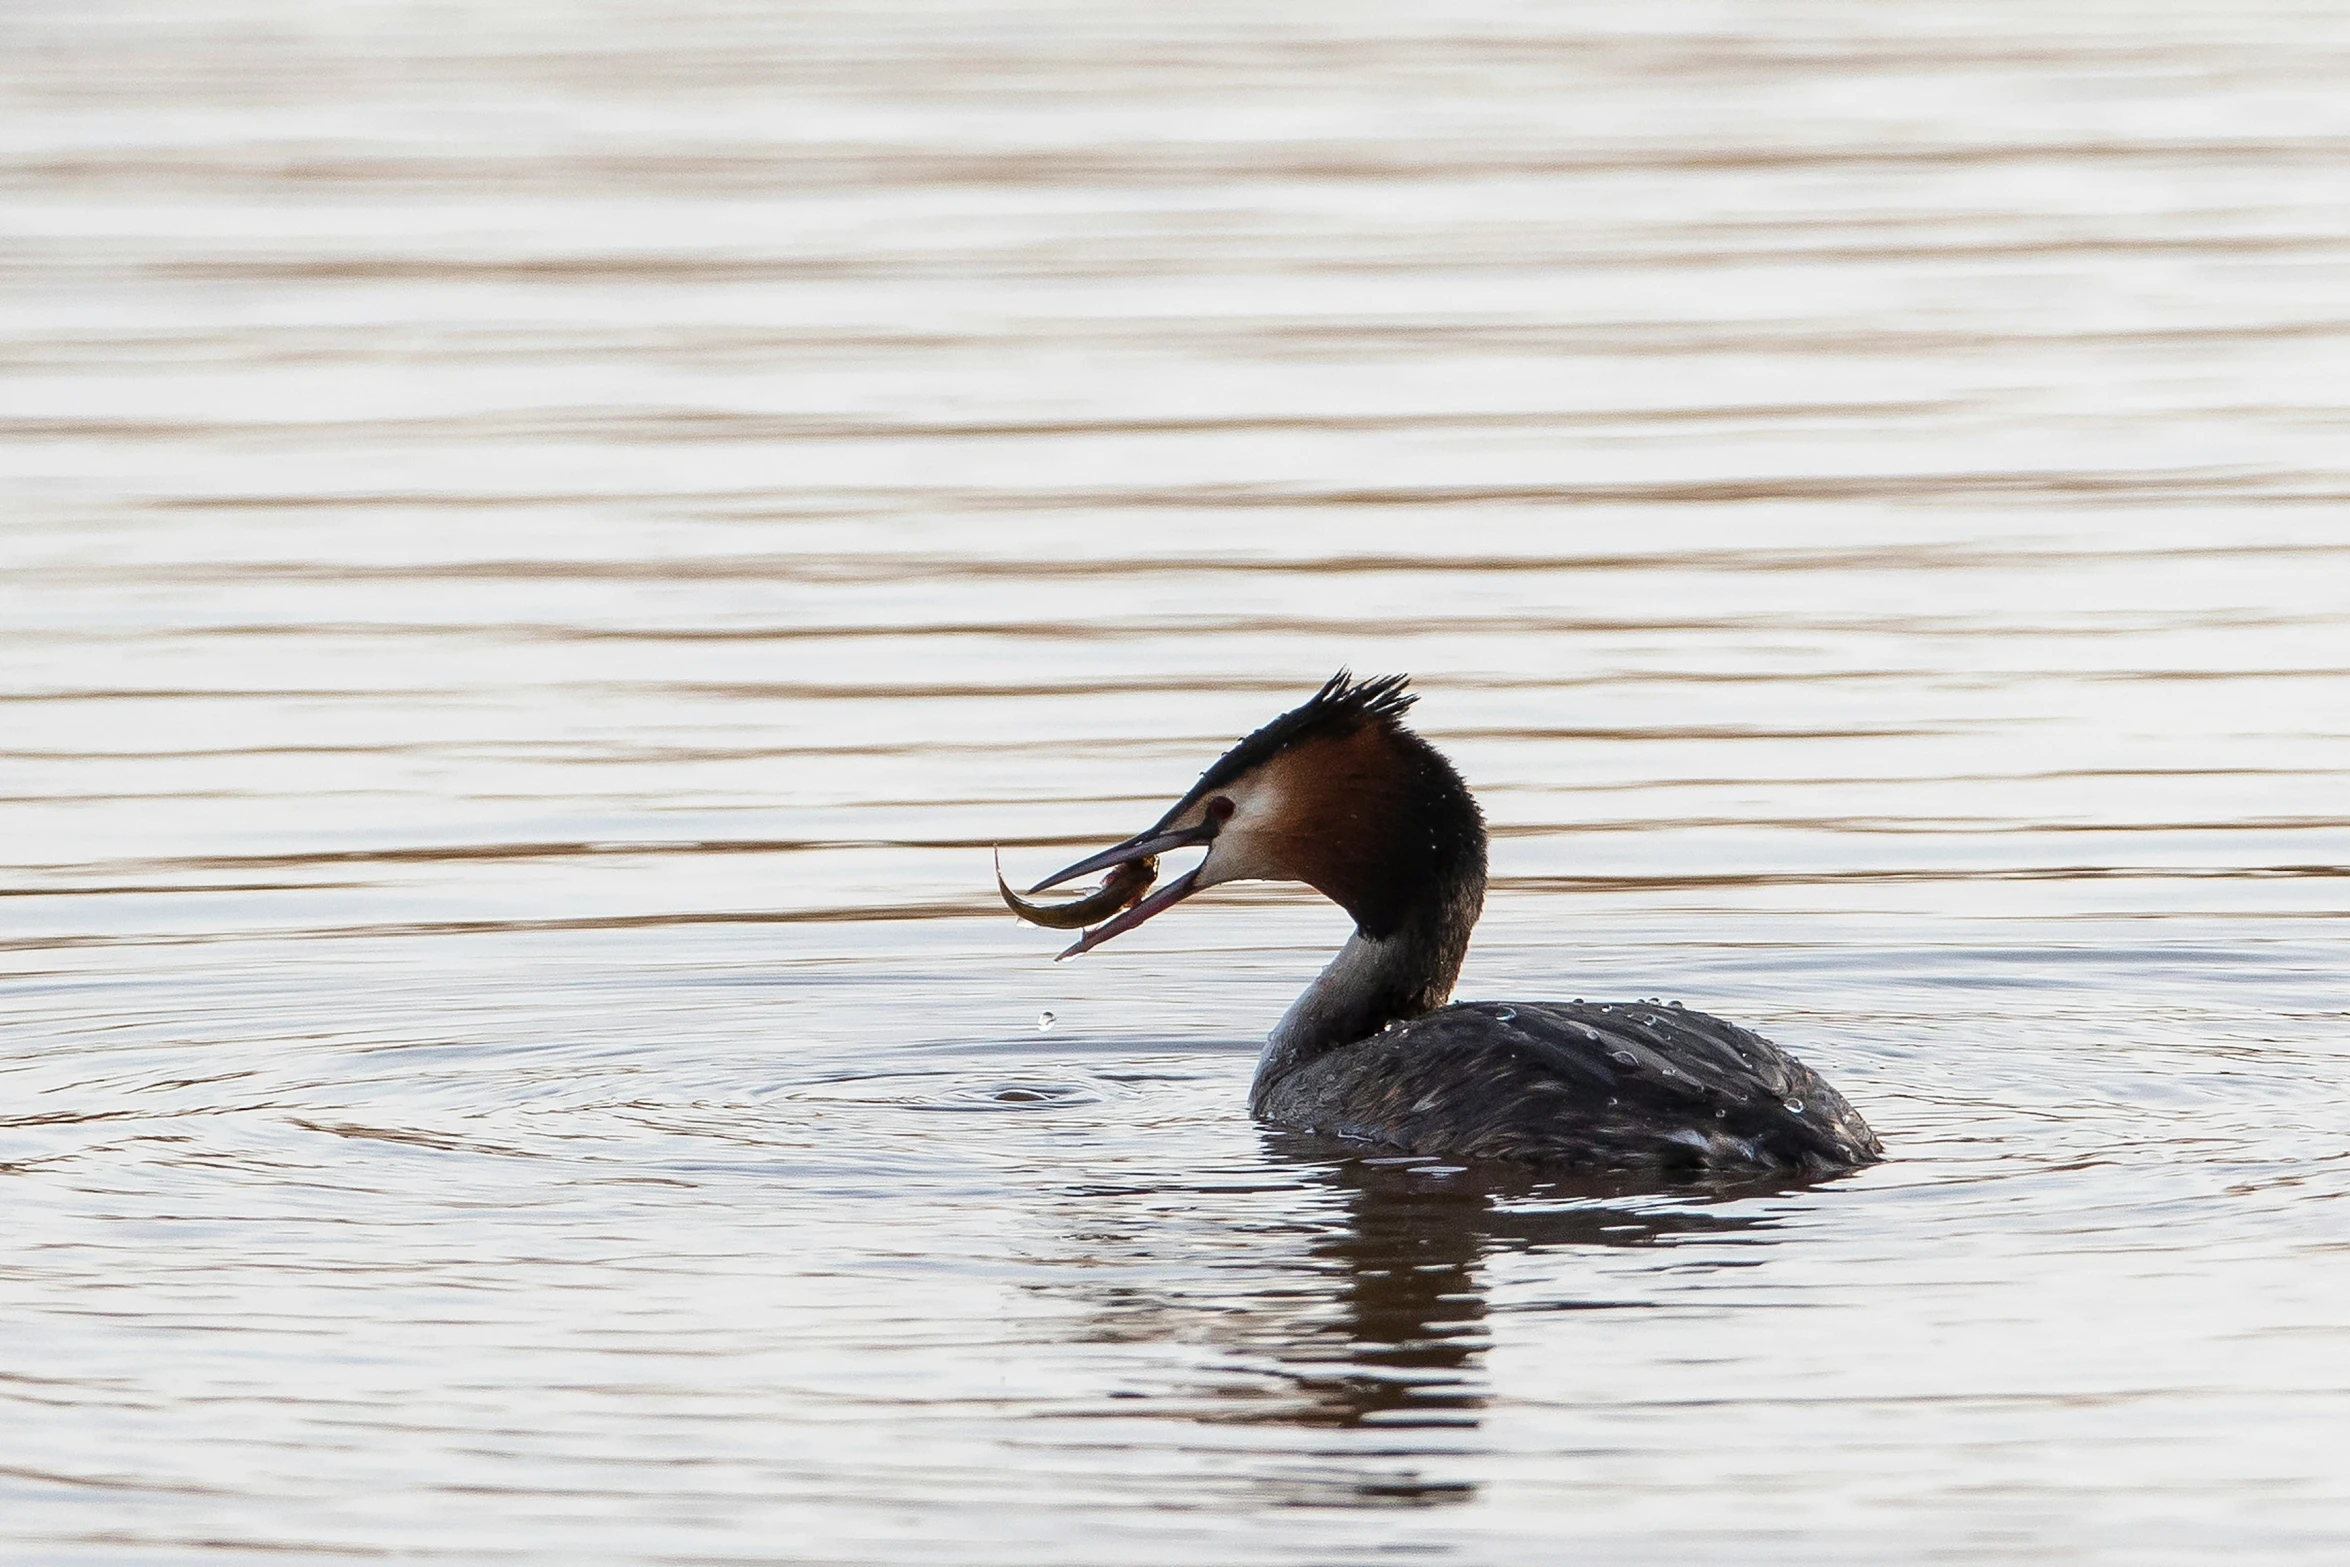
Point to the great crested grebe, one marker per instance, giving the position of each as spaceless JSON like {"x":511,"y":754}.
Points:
{"x":1338,"y":794}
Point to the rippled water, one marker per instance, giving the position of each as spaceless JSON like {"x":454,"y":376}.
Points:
{"x":545,"y":548}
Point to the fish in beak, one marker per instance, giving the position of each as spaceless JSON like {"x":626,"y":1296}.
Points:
{"x":1121,"y":888}
{"x":1133,"y":866}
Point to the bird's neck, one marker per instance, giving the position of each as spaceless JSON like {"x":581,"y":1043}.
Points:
{"x":1379,"y":980}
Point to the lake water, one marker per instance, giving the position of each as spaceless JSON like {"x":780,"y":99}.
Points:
{"x":546,"y":546}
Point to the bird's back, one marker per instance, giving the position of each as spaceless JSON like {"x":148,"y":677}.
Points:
{"x":1576,"y":1085}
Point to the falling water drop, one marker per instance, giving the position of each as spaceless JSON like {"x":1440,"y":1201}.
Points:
{"x":1044,"y":1021}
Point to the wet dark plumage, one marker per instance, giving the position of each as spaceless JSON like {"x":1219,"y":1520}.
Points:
{"x":1576,"y":1085}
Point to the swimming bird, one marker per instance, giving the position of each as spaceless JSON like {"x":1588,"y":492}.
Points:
{"x":1339,"y":794}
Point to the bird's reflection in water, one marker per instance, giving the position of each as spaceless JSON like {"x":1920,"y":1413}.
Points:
{"x":1405,"y":1347}
{"x":1381,"y":1322}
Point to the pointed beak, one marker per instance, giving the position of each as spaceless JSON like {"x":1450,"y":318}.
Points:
{"x":1141,"y":847}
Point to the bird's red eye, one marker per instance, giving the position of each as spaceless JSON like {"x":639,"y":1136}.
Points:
{"x":1220,"y":809}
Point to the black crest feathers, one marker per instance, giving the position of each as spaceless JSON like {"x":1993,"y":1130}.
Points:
{"x":1387,"y":840}
{"x":1342,"y":703}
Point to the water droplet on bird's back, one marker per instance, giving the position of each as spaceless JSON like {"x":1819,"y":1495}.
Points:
{"x":1795,"y":1107}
